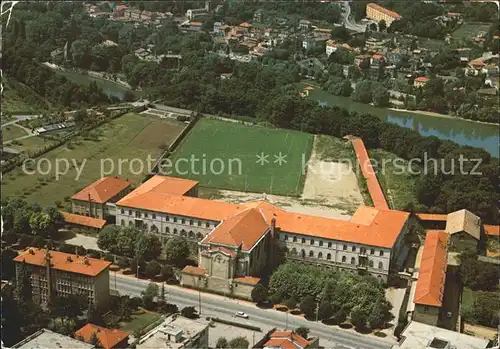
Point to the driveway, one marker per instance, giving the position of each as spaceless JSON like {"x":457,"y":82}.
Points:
{"x":395,"y":296}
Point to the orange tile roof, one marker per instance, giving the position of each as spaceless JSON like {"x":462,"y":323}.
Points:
{"x":286,"y":340}
{"x":477,"y":62}
{"x":250,"y":280}
{"x":245,"y":25}
{"x":372,"y":183}
{"x":223,"y":250}
{"x":102,"y":190}
{"x":432,"y":273}
{"x":390,"y":13}
{"x":192,"y":270}
{"x":63,"y":261}
{"x":164,"y":185}
{"x":109,"y":338}
{"x":83,"y":220}
{"x":243,"y":229}
{"x":422,"y":79}
{"x":369,"y":225}
{"x":431,"y":216}
{"x":492,"y":230}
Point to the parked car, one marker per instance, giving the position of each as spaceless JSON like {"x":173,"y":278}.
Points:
{"x":241,"y":314}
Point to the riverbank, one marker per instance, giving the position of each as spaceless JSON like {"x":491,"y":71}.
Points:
{"x":448,"y":116}
{"x":90,"y":73}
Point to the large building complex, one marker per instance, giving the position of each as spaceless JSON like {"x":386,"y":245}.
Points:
{"x":237,"y":241}
{"x":379,"y":13}
{"x":63,"y":274}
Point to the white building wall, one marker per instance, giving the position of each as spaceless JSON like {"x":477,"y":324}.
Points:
{"x":341,"y":253}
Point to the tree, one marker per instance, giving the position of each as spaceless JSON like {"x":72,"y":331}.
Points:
{"x":340,"y":33}
{"x":302,"y":331}
{"x":259,"y":293}
{"x":189,"y":312}
{"x":339,"y":316}
{"x":167,"y":273}
{"x":148,"y":246}
{"x":381,"y":96}
{"x":138,"y":262}
{"x":149,"y":294}
{"x":379,"y":314}
{"x":291,"y":303}
{"x":108,"y":238}
{"x":308,"y":306}
{"x":39,"y":223}
{"x":153,"y":268}
{"x":222,"y":343}
{"x":177,"y":250}
{"x":8,"y":267}
{"x":359,"y":317}
{"x":382,"y":25}
{"x":363,"y":92}
{"x":325,"y":310}
{"x":239,"y":343}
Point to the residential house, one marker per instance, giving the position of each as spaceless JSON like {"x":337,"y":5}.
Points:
{"x":108,"y":338}
{"x":63,"y":274}
{"x":119,"y":11}
{"x":464,"y":229}
{"x":377,"y":61}
{"x":304,"y":24}
{"x":47,"y":339}
{"x":429,"y":291}
{"x":199,"y":12}
{"x":287,"y":340}
{"x":217,"y":30}
{"x":332,"y":47}
{"x":420,"y":81}
{"x":361,"y":58}
{"x":396,"y":56}
{"x":176,"y":332}
{"x":418,"y":335}
{"x":98,"y":199}
{"x":490,"y":69}
{"x":379,"y":13}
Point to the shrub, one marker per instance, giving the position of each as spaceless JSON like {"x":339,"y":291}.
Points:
{"x":24,"y":241}
{"x":153,"y":268}
{"x":109,"y":257}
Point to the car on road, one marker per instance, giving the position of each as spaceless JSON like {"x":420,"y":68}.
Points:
{"x":241,"y":314}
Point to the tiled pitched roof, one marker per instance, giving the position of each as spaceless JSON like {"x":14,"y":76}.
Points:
{"x":102,"y":190}
{"x":464,"y":220}
{"x":164,"y":185}
{"x":108,"y":338}
{"x":390,"y":13}
{"x":431,"y":216}
{"x":63,"y":261}
{"x":372,"y":183}
{"x":83,"y":220}
{"x":432,"y":273}
{"x":243,"y":229}
{"x":422,"y":79}
{"x":224,"y":250}
{"x":286,"y":340}
{"x":250,"y":280}
{"x":192,"y":270}
{"x":492,"y":230}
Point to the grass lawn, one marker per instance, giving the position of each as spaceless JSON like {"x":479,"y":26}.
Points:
{"x":227,"y":154}
{"x":128,"y":137}
{"x":468,"y":297}
{"x":12,"y":132}
{"x":334,"y":149}
{"x":467,"y":31}
{"x":140,"y":319}
{"x":394,"y":177}
{"x":19,"y":98}
{"x":31,"y":144}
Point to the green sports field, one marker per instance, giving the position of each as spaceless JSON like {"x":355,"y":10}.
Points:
{"x":224,"y":155}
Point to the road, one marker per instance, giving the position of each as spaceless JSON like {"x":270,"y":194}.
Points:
{"x":214,"y":305}
{"x":348,"y":22}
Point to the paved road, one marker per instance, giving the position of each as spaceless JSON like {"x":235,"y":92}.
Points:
{"x":348,"y":22}
{"x":267,"y":318}
{"x":16,"y":118}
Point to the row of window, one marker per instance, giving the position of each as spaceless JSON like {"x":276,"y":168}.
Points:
{"x":329,"y":257}
{"x":167,"y":218}
{"x":154,"y":229}
{"x":320,"y":243}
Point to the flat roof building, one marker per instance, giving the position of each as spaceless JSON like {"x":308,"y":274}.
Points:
{"x":46,"y":339}
{"x":422,"y":336}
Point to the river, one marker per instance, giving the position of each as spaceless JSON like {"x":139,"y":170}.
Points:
{"x":110,"y":88}
{"x":463,"y":132}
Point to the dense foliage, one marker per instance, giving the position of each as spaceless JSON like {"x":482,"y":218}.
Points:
{"x":478,"y":275}
{"x":345,"y":293}
{"x":128,"y":242}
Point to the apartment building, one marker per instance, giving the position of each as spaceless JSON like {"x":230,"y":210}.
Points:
{"x":63,"y":274}
{"x":97,"y":200}
{"x":379,"y":13}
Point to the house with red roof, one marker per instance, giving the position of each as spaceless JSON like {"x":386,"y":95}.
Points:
{"x":97,"y":199}
{"x":287,"y":340}
{"x":108,"y":338}
{"x":429,"y":290}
